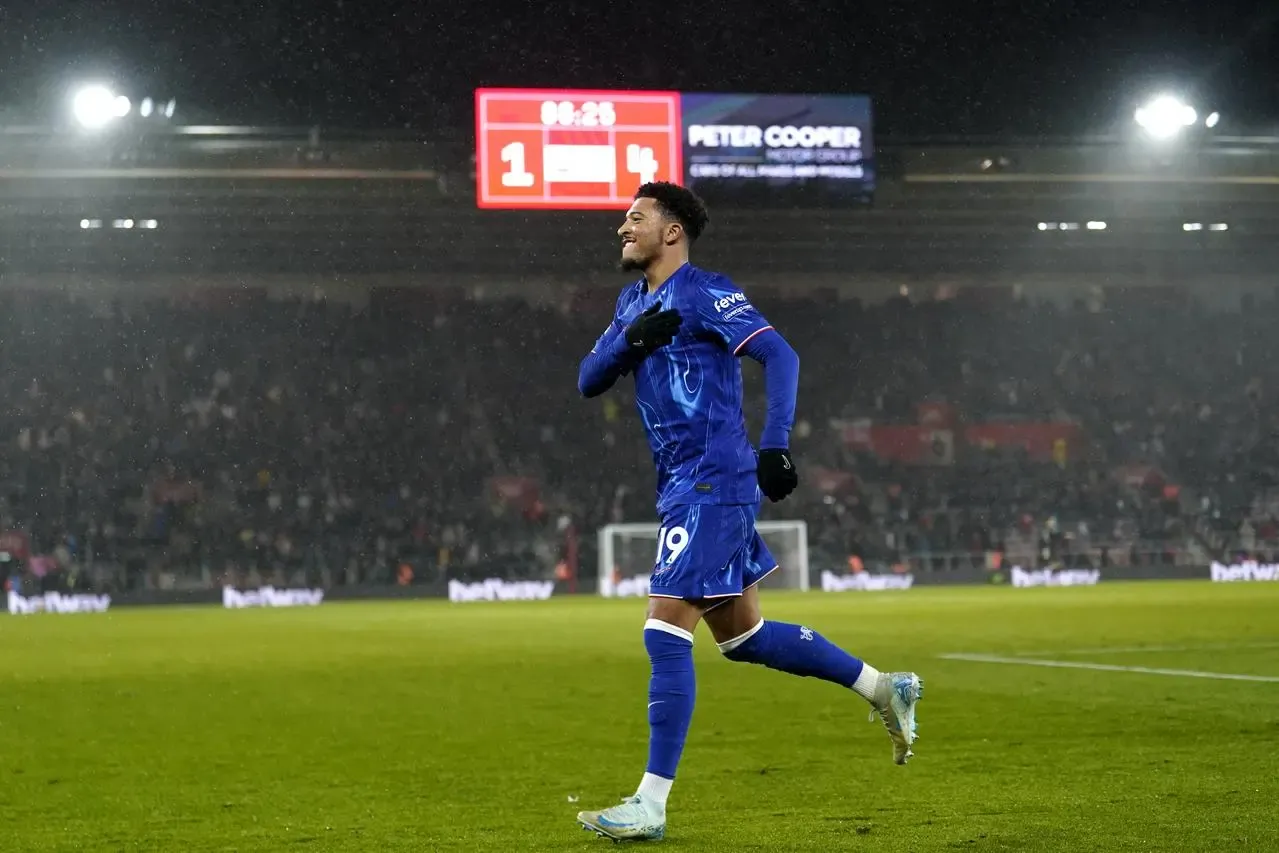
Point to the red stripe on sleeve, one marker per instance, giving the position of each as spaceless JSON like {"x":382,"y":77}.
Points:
{"x":748,"y":338}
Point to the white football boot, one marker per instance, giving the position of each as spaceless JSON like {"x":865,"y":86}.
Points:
{"x":896,"y":694}
{"x":634,"y":819}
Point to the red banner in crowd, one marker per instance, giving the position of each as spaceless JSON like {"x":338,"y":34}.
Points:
{"x":857,"y":435}
{"x":909,"y":443}
{"x":830,"y":481}
{"x":16,"y":544}
{"x":521,"y":491}
{"x":914,"y":444}
{"x":1039,"y":440}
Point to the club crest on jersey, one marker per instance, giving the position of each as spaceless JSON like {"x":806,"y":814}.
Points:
{"x":738,"y":298}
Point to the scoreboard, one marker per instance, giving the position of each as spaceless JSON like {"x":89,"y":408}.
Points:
{"x":573,"y":149}
{"x":560,"y":149}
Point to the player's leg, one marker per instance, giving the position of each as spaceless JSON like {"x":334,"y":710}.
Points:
{"x":696,"y":542}
{"x":672,"y":690}
{"x":744,"y":635}
{"x":668,"y":638}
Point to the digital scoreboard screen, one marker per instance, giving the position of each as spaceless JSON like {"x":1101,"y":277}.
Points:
{"x":778,"y":141}
{"x":560,"y":149}
{"x":573,"y":149}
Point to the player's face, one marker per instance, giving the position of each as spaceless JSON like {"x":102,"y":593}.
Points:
{"x":642,"y":234}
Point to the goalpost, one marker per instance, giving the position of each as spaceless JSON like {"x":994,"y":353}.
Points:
{"x":628,"y":552}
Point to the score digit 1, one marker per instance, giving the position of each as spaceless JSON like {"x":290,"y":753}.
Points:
{"x":516,"y":175}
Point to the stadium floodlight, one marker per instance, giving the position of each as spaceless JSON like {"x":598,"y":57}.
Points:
{"x":1165,"y":117}
{"x":1212,"y":120}
{"x":96,"y":106}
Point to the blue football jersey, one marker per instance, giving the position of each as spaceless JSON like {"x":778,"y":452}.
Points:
{"x":689,"y":393}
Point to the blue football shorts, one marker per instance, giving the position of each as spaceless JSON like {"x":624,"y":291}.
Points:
{"x":709,"y":551}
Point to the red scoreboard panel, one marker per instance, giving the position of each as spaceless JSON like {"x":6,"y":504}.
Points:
{"x":561,"y":149}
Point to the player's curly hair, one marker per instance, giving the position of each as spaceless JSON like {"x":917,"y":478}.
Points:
{"x":679,"y":203}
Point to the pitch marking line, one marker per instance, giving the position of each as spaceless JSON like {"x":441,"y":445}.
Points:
{"x":1127,"y":650}
{"x":1106,"y":667}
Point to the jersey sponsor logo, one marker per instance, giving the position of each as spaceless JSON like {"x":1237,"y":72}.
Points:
{"x":730,"y":301}
{"x":737,"y":312}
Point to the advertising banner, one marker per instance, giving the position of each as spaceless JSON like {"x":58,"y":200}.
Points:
{"x":778,"y":141}
{"x":632,"y":587}
{"x":269,"y":596}
{"x":1248,"y":570}
{"x":1022,"y":578}
{"x":57,"y":602}
{"x":496,"y":589}
{"x":864,"y":582}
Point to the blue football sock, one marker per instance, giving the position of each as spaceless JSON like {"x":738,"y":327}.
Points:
{"x":794,"y":649}
{"x":670,"y":694}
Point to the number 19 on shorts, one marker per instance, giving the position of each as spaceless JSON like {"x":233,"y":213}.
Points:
{"x":671,"y":542}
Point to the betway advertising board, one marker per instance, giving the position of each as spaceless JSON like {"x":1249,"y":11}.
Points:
{"x":496,"y":589}
{"x":269,"y":596}
{"x":1022,"y":578}
{"x":57,"y":602}
{"x":865,"y":582}
{"x":1244,"y":572}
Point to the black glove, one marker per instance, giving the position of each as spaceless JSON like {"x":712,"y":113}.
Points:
{"x":653,"y":329}
{"x":776,"y":472}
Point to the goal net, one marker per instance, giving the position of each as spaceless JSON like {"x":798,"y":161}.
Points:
{"x":628,"y":552}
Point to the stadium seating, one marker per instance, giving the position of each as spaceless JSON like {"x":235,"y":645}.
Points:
{"x":182,"y":443}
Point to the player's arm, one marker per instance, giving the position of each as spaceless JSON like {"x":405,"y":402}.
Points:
{"x":621,"y":348}
{"x":781,"y":384}
{"x":724,"y":311}
{"x":609,"y":360}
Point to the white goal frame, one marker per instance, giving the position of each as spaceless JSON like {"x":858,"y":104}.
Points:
{"x":607,"y":553}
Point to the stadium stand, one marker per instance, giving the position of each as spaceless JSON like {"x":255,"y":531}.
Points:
{"x":181,"y":443}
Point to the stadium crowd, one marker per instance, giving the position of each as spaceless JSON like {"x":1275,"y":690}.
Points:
{"x":203,"y":440}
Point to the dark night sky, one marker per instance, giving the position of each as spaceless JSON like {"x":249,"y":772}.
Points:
{"x":1037,"y":66}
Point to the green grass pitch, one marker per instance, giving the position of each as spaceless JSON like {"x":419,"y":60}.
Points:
{"x":427,"y":726}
